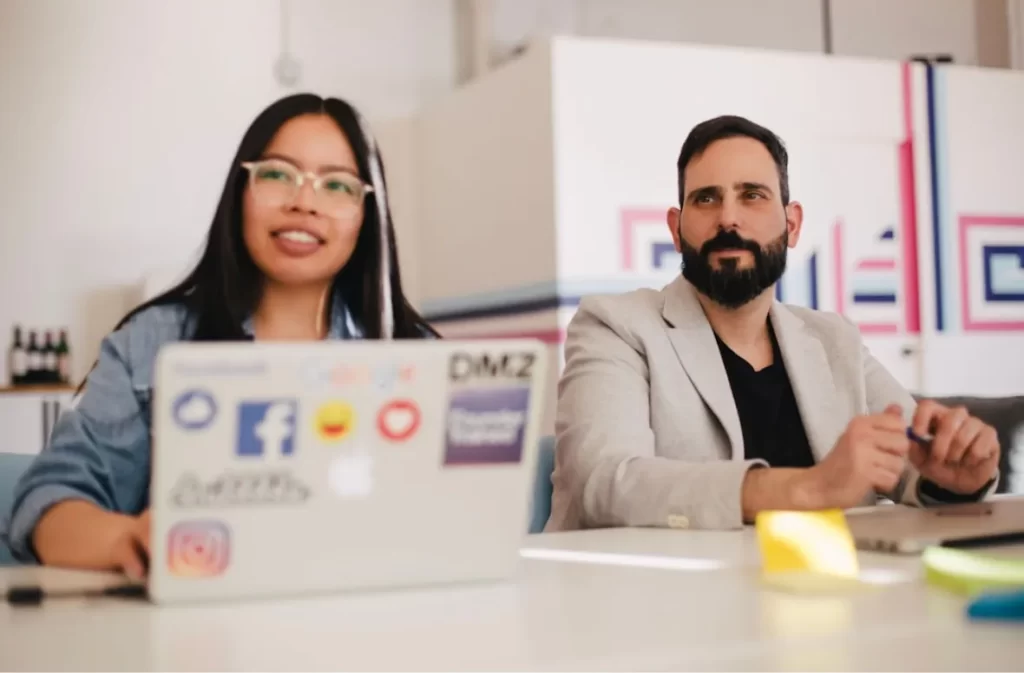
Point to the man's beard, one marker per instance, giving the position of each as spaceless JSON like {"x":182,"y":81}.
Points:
{"x":729,"y":285}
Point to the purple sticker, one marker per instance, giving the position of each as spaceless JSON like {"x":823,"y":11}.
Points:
{"x":486,"y":425}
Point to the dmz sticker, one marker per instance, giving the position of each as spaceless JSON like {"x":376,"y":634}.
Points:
{"x":486,"y":425}
{"x":487,"y":410}
{"x":266,"y":428}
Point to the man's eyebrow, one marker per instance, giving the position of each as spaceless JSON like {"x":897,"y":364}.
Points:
{"x":708,"y":190}
{"x":746,"y":186}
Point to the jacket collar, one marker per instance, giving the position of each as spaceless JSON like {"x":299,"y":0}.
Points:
{"x":802,"y":353}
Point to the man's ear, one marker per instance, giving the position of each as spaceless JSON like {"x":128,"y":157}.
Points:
{"x":672,"y":220}
{"x":794,"y":222}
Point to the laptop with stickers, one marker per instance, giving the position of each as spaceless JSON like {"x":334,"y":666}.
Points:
{"x":287,"y":469}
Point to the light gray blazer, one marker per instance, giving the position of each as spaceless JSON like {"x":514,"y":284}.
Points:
{"x":647,"y":429}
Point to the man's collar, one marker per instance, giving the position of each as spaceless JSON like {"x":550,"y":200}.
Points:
{"x":682,"y":306}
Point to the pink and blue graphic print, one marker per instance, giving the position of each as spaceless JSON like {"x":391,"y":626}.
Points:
{"x":991,"y":268}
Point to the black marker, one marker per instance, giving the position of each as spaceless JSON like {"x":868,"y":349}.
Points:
{"x":35,"y":595}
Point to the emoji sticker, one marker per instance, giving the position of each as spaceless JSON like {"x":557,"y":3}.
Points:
{"x":334,"y":421}
{"x":398,"y":420}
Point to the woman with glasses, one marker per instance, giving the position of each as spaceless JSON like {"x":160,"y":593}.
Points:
{"x":301,"y":248}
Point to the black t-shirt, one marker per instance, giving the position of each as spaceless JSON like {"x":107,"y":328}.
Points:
{"x":772,"y":428}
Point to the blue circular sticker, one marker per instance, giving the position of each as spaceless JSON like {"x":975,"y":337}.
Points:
{"x":194,"y":409}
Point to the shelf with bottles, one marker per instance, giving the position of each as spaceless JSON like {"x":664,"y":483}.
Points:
{"x":38,"y":362}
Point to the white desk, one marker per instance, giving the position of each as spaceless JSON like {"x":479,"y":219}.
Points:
{"x":565,"y":616}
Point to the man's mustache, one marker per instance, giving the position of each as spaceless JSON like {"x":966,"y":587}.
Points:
{"x":728,"y":240}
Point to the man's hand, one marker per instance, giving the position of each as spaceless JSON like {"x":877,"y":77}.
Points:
{"x":964,"y":452}
{"x":130,"y":552}
{"x":869,"y":456}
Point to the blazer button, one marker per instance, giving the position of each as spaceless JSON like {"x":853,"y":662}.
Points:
{"x":678,"y":521}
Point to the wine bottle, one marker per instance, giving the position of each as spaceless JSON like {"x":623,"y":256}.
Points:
{"x":17,"y":359}
{"x":34,"y":359}
{"x":49,"y":370}
{"x":63,"y":358}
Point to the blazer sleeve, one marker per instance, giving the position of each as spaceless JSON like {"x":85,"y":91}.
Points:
{"x":606,"y":465}
{"x":883,"y":389}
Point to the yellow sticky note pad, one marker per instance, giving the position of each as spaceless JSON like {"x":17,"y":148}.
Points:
{"x":807,"y":551}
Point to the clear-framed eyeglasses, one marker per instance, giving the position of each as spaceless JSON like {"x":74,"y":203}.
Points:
{"x":276,"y":182}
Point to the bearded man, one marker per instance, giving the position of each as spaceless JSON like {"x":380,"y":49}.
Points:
{"x":704,"y":403}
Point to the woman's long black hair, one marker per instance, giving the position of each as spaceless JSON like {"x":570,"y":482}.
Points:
{"x":225,"y":286}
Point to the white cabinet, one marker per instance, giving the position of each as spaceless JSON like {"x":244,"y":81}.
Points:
{"x":27,"y":416}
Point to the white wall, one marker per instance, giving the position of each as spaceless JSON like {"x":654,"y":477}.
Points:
{"x":868,"y":28}
{"x":486,"y":195}
{"x":119,"y":118}
{"x":1015,"y":17}
{"x":897,"y":29}
{"x":779,"y":24}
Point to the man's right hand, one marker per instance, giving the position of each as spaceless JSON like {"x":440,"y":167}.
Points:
{"x":869,"y":456}
{"x":130,"y":552}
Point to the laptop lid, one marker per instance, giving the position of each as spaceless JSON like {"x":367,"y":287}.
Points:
{"x":301,"y":468}
{"x":902,"y":529}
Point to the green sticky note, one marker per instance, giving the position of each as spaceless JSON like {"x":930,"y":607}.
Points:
{"x":969,"y":573}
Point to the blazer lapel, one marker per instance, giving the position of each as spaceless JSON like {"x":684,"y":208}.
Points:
{"x":694,"y":343}
{"x":811,"y":378}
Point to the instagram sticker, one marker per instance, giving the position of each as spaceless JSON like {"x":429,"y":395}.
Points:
{"x":198,"y":549}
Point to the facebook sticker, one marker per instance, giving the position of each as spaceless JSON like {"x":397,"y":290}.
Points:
{"x":266,"y":428}
{"x":486,"y":425}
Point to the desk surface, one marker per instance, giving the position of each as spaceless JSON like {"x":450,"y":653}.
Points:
{"x":558,"y":615}
{"x":696,"y":550}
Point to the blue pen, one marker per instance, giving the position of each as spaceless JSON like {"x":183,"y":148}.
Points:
{"x":925,"y":441}
{"x":998,"y":606}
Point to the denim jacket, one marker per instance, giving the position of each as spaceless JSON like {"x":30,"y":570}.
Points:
{"x":99,"y":450}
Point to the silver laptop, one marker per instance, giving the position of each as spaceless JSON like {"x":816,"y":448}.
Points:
{"x":287,"y":469}
{"x":909,"y":530}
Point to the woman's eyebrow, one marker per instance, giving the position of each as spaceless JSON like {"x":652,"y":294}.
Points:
{"x":327,"y":168}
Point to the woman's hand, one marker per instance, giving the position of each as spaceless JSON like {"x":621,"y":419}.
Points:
{"x":130,"y":552}
{"x":79,"y":534}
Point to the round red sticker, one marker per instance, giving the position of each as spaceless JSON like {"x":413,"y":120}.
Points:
{"x":398,"y":420}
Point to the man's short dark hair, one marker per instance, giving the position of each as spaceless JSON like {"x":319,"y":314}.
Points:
{"x":730,"y":126}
